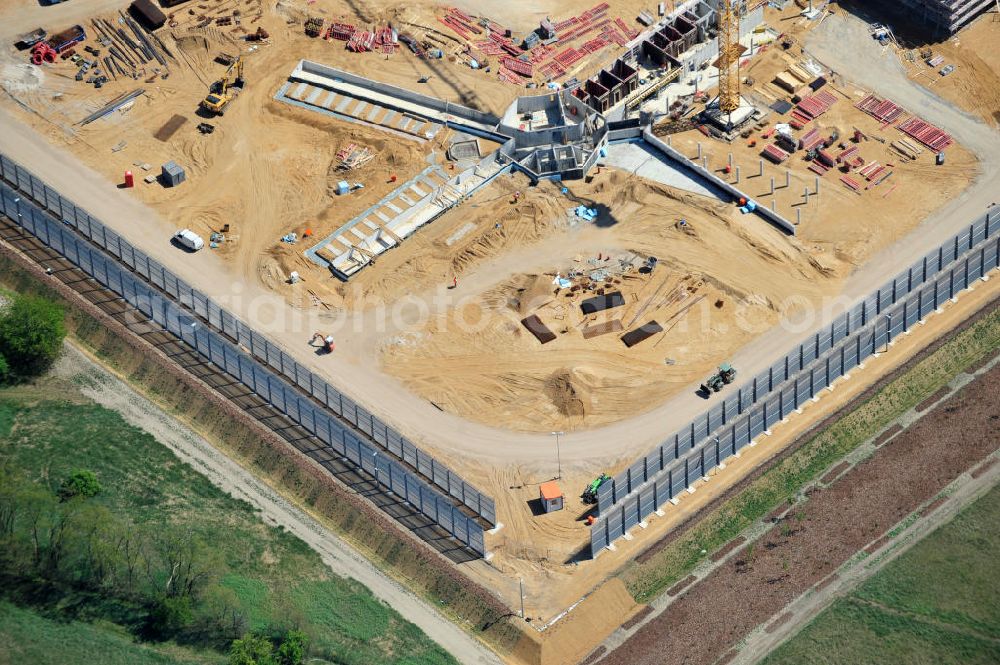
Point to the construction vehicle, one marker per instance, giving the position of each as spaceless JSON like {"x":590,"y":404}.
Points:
{"x":590,"y":493}
{"x":225,"y":90}
{"x":327,"y":343}
{"x":725,"y":375}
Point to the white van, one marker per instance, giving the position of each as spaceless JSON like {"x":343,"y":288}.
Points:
{"x":188,"y":239}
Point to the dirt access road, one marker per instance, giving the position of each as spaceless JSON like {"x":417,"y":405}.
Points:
{"x":482,"y":444}
{"x":110,"y":392}
{"x":819,"y":535}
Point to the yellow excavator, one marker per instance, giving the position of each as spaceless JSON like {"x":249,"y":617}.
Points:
{"x":225,"y":90}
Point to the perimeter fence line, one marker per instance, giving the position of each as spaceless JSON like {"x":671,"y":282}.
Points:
{"x":749,"y":411}
{"x":349,"y":431}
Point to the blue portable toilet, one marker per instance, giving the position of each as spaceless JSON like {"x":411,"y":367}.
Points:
{"x":343,"y":188}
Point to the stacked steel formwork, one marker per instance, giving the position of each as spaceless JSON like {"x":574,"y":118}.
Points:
{"x":946,"y":17}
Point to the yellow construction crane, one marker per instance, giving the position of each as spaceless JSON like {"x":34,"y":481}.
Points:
{"x":729,"y":55}
{"x":225,"y":90}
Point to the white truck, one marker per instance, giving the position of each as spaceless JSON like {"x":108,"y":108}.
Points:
{"x":189,"y":240}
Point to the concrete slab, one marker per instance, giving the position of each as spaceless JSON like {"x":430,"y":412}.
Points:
{"x":395,"y":209}
{"x":374,"y":112}
{"x":299,"y":90}
{"x":419,"y":192}
{"x":329,"y":100}
{"x":371,"y":225}
{"x":407,"y":199}
{"x":387,"y":120}
{"x":640,"y":159}
{"x":361,"y":108}
{"x":339,"y":108}
{"x":381,"y":215}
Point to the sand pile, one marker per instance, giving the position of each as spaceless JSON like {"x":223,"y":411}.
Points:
{"x":570,"y":391}
{"x":21,"y":78}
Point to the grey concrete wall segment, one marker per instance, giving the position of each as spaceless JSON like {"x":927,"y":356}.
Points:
{"x":766,"y":399}
{"x":457,"y":110}
{"x":770,"y":215}
{"x":348,"y":429}
{"x":625,"y":134}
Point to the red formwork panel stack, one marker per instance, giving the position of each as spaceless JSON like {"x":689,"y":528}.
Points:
{"x":341,"y":31}
{"x":880,"y":109}
{"x":518,"y":66}
{"x":926,"y":133}
{"x":816,"y":105}
{"x":775,"y":154}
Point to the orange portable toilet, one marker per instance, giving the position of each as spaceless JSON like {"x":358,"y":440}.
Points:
{"x":551,"y":495}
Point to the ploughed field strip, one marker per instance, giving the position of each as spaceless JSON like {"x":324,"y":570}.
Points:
{"x":820,"y":534}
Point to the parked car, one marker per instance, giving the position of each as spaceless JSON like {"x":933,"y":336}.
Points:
{"x":189,"y":240}
{"x":947,"y":70}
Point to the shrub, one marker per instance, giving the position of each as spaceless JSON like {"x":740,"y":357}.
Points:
{"x":31,"y":335}
{"x":80,"y":483}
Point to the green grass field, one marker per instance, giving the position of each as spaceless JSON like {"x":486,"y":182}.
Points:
{"x":269,"y":576}
{"x":938,"y":603}
{"x":27,"y":637}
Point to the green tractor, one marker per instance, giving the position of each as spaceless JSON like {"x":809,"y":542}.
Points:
{"x":590,"y":494}
{"x":725,"y":375}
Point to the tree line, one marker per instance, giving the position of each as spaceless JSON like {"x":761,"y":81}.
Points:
{"x":61,"y":547}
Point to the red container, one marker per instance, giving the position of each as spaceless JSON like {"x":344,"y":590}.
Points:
{"x":129,"y":181}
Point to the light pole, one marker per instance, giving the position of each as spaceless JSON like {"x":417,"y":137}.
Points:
{"x":888,"y":330}
{"x":375,"y":461}
{"x":558,"y":455}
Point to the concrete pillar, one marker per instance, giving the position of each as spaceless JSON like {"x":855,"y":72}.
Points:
{"x":699,"y":150}
{"x":704,"y":162}
{"x":669,"y":142}
{"x":737,"y":175}
{"x":773,"y":208}
{"x":806,"y":195}
{"x":788,"y":178}
{"x":761,"y":173}
{"x":816,"y":190}
{"x":772,"y":186}
{"x":730,"y":160}
{"x":798,"y":215}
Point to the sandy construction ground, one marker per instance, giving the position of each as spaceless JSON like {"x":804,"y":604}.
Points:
{"x":485,"y":396}
{"x":269,"y":169}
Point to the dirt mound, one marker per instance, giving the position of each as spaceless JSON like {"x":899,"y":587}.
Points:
{"x":571,"y":391}
{"x":537,"y":292}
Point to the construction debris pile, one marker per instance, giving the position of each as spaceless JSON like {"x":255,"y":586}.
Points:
{"x":122,"y":48}
{"x":545,"y":51}
{"x":383,"y":39}
{"x":351,"y":157}
{"x":599,"y":286}
{"x":539,"y":51}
